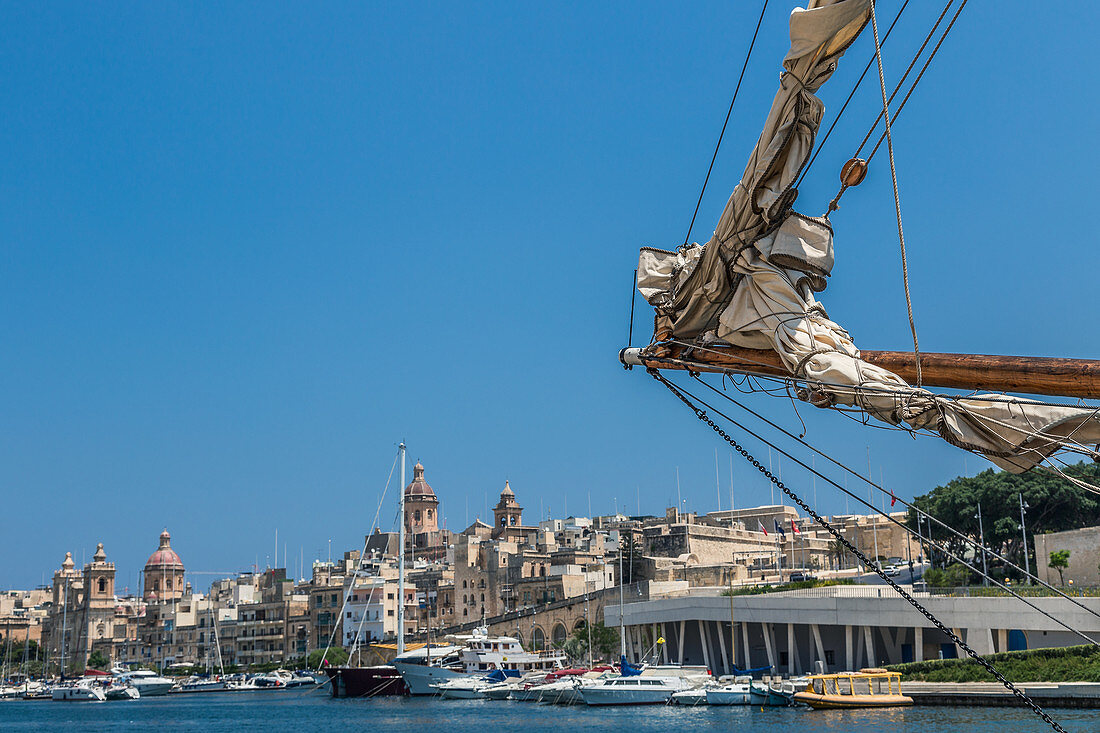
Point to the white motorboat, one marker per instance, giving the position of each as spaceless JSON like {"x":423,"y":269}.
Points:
{"x":474,"y":657}
{"x":738,"y":692}
{"x":462,"y":688}
{"x":697,"y":696}
{"x":147,"y":682}
{"x":634,"y":690}
{"x":121,"y":691}
{"x":504,"y":689}
{"x":79,"y":691}
{"x":200,"y":684}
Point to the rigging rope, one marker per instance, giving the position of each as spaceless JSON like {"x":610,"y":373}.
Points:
{"x":893,"y":497}
{"x":835,"y":203}
{"x":897,"y":197}
{"x":728,"y":113}
{"x":870,"y":63}
{"x":859,"y":554}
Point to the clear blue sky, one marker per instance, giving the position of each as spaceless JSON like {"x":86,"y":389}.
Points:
{"x":246,"y":249}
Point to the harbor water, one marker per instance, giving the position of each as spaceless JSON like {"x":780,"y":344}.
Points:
{"x":314,"y":711}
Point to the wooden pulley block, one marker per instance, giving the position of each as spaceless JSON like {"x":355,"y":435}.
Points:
{"x":853,"y":172}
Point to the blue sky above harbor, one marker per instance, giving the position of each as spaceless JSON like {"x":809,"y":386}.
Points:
{"x":248,"y":249}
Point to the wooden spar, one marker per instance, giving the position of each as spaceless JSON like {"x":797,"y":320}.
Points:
{"x":1021,"y":374}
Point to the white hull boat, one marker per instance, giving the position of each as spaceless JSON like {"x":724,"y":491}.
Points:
{"x":200,"y":685}
{"x":121,"y":692}
{"x":689,"y":697}
{"x":634,"y":690}
{"x":421,"y":679}
{"x":462,"y":688}
{"x":77,"y":693}
{"x":737,"y":693}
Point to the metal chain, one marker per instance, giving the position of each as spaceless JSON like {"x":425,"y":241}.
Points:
{"x":702,"y":415}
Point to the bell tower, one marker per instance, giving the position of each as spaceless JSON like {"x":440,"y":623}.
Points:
{"x":507,"y":513}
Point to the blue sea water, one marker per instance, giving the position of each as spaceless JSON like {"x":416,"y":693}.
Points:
{"x":314,"y":711}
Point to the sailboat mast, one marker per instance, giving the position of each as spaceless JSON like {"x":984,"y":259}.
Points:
{"x":401,"y":558}
{"x":1023,"y":374}
{"x":622,"y":626}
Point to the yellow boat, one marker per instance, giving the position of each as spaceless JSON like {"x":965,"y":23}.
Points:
{"x":867,"y":688}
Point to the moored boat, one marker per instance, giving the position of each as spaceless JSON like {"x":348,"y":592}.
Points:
{"x":474,"y":657}
{"x":78,"y":691}
{"x":121,"y":691}
{"x":147,"y":682}
{"x":737,"y":692}
{"x":383,"y":679}
{"x":868,"y":688}
{"x":200,"y":684}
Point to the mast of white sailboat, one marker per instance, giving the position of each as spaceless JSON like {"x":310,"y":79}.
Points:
{"x":217,"y":642}
{"x":401,"y":558}
{"x":622,"y":627}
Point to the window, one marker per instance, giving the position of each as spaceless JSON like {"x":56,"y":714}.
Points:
{"x":102,"y":585}
{"x":483,"y":598}
{"x":416,"y":516}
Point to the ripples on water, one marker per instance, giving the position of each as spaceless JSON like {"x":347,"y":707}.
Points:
{"x":315,"y":711}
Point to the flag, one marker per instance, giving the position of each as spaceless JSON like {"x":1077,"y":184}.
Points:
{"x":762,"y":527}
{"x":893,"y":499}
{"x":794,"y":528}
{"x":779,"y":529}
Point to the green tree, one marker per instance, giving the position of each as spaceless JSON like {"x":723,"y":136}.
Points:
{"x":1055,"y":505}
{"x":1059,"y":560}
{"x":336,"y":657}
{"x":953,"y":576}
{"x":605,"y":642}
{"x":96,"y":660}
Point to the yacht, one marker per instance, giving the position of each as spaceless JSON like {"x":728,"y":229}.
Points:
{"x":147,"y":682}
{"x":737,"y":692}
{"x":78,"y":691}
{"x":463,"y":688}
{"x":652,"y":684}
{"x":121,"y":691}
{"x":476,"y":656}
{"x":636,"y":690}
{"x":567,"y":691}
{"x":200,"y":684}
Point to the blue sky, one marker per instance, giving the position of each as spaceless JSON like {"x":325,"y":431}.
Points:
{"x":246,"y":249}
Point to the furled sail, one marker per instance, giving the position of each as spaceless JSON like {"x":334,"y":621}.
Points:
{"x":752,"y":285}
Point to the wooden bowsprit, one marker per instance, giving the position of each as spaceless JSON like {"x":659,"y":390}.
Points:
{"x":1020,"y":374}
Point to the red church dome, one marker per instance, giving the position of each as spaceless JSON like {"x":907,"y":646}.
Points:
{"x":165,"y":557}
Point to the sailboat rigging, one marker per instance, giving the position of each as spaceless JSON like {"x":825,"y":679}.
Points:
{"x":744,"y":305}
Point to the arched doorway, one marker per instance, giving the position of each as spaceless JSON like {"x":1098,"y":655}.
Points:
{"x":538,"y":639}
{"x":559,"y":635}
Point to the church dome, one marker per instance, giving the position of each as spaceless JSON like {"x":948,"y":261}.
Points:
{"x":165,"y":557}
{"x":419,"y":488}
{"x":507,"y":490}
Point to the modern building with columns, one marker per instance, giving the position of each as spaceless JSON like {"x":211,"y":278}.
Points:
{"x":842,"y":627}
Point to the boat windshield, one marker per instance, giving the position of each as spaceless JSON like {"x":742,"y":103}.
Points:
{"x":887,"y":683}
